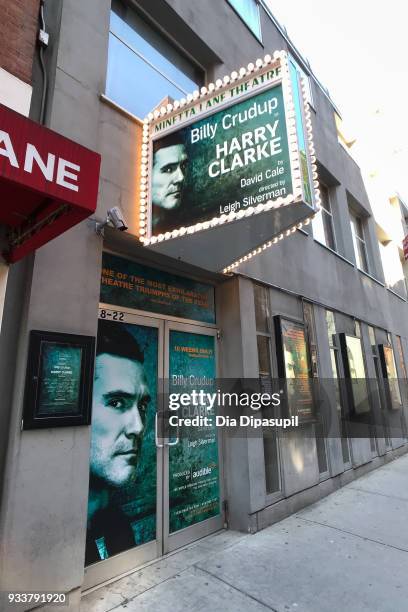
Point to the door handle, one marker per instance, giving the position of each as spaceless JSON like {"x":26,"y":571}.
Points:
{"x":156,"y":438}
{"x":176,"y":440}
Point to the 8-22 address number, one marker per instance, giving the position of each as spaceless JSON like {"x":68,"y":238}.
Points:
{"x":113,"y":315}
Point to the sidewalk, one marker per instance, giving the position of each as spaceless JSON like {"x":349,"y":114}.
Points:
{"x":348,"y":552}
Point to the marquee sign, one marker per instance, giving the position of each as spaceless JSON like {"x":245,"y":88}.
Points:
{"x":240,"y":148}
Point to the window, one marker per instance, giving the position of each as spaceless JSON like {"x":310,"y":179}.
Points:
{"x":263,"y":337}
{"x":334,"y":361}
{"x":323,"y":227}
{"x":248,"y":10}
{"x":359,"y":243}
{"x":306,"y":81}
{"x":320,"y":427}
{"x":400,"y":353}
{"x":139,"y":55}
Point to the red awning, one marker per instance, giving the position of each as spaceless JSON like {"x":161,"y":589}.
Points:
{"x":48,"y":183}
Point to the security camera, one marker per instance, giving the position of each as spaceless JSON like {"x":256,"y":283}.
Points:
{"x":114,"y":218}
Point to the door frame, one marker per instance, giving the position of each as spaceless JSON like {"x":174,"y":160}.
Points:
{"x":127,"y":561}
{"x":178,"y":539}
{"x":119,"y":564}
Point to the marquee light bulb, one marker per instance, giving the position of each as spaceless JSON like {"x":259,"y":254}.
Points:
{"x":259,"y":63}
{"x":251,"y":67}
{"x":226,"y":79}
{"x":196,"y":94}
{"x":176,"y":104}
{"x":234,"y":75}
{"x":218,"y":83}
{"x":267,"y":59}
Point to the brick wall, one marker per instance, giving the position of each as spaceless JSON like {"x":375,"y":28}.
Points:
{"x":18,"y":33}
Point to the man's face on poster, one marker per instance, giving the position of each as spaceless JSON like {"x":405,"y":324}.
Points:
{"x":169,"y":167}
{"x":120,"y":400}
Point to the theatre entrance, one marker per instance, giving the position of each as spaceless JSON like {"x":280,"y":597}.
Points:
{"x":150,"y":492}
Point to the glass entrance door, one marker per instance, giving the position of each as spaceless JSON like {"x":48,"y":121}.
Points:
{"x":148,"y":495}
{"x":125,"y":504}
{"x":192,"y":469}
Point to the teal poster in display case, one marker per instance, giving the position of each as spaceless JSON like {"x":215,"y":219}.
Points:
{"x":61,"y":377}
{"x":127,"y":283}
{"x":122,"y":483}
{"x":194,"y":493}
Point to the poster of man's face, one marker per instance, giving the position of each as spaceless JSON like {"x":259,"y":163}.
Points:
{"x":167,"y":186}
{"x":120,"y":400}
{"x":121,"y":506}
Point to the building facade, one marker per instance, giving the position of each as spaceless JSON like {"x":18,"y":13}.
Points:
{"x":107,"y":65}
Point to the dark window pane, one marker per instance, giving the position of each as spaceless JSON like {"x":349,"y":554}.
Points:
{"x":321,"y":448}
{"x":363,"y":264}
{"x":324,"y":196}
{"x":328,"y":229}
{"x":262,"y":315}
{"x":263,"y":356}
{"x":271,"y":455}
{"x":130,"y":92}
{"x":139,"y":55}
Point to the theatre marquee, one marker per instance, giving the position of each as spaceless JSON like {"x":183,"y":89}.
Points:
{"x":237,"y":153}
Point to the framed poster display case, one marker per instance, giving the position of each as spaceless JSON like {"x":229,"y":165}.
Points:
{"x":58,"y":391}
{"x":355,"y":373}
{"x":294,"y":368}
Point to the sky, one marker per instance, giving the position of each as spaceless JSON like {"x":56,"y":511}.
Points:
{"x":358,"y":49}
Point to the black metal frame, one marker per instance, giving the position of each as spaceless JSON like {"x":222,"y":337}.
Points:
{"x":393,"y":405}
{"x":277,"y":319}
{"x":82,"y":416}
{"x":346,"y":365}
